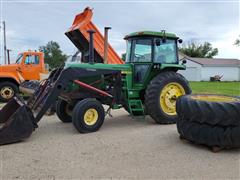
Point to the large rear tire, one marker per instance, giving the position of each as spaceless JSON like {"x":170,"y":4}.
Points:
{"x":64,"y":111}
{"x":7,"y":91}
{"x":210,"y":109}
{"x":161,"y":96}
{"x":88,"y":115}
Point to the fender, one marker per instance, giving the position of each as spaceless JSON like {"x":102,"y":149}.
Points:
{"x":9,"y":75}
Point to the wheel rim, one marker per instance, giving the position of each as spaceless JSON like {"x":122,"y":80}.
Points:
{"x":91,"y":117}
{"x":7,"y":92}
{"x":168,"y":97}
{"x":214,"y":98}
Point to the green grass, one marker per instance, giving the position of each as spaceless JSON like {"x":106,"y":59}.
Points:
{"x":227,"y":88}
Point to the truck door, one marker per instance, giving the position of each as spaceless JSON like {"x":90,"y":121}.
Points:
{"x":31,"y":67}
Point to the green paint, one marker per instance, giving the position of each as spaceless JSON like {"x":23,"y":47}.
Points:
{"x":151,"y":33}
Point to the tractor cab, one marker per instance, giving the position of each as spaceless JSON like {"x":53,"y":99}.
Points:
{"x":150,"y":50}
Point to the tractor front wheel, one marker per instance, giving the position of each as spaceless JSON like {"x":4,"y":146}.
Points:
{"x":88,"y":115}
{"x":161,"y":96}
{"x":64,"y":111}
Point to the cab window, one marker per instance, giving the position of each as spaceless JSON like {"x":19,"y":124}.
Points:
{"x":142,"y":50}
{"x":32,"y":59}
{"x":165,"y":51}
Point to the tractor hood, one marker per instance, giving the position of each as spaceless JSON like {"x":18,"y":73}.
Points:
{"x":121,"y":67}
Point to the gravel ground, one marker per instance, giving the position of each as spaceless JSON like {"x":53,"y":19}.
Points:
{"x":124,"y":148}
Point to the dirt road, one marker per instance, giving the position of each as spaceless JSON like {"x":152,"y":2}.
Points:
{"x":124,"y":148}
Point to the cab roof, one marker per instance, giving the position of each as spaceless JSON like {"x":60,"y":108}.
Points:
{"x":150,"y":33}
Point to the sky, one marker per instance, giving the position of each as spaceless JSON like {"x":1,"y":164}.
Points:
{"x":31,"y":23}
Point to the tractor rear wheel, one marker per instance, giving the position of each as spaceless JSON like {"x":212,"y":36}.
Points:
{"x":64,"y":111}
{"x":88,"y":115}
{"x":161,"y":96}
{"x":7,"y":91}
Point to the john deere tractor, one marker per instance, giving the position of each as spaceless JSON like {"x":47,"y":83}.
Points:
{"x":147,"y":84}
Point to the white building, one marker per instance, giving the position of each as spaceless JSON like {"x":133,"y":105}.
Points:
{"x":201,"y":69}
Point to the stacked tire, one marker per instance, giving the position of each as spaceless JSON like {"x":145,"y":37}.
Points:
{"x":212,"y":120}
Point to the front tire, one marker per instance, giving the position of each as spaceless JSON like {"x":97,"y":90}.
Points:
{"x":88,"y":115}
{"x":64,"y":111}
{"x":161,"y":96}
{"x":7,"y":91}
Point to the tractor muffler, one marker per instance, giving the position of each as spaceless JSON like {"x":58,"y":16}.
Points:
{"x":16,"y":122}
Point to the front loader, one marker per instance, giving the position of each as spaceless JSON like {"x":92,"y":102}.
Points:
{"x":147,"y":84}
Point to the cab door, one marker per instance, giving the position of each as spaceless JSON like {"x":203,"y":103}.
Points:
{"x":141,"y":59}
{"x":31,"y":67}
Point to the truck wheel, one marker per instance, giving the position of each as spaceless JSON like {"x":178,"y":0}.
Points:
{"x":7,"y":91}
{"x":64,"y":111}
{"x":210,"y":109}
{"x":213,"y":136}
{"x":161,"y":96}
{"x":88,"y":115}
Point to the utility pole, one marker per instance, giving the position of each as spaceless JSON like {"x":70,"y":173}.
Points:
{"x":4,"y":42}
{"x":8,"y":56}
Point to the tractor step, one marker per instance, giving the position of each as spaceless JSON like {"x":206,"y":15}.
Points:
{"x":135,"y":105}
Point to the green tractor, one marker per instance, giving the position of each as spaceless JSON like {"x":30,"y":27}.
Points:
{"x":147,"y":84}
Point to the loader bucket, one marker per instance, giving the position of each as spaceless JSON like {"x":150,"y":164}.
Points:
{"x":16,"y":122}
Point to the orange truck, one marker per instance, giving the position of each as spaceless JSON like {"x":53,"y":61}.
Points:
{"x":28,"y":66}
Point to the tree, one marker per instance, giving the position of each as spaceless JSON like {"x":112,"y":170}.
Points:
{"x":237,"y":42}
{"x":204,"y":50}
{"x":53,"y":54}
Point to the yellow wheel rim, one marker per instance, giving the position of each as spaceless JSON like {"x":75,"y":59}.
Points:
{"x":90,"y":117}
{"x":7,"y":92}
{"x":214,"y":98}
{"x":168,"y":97}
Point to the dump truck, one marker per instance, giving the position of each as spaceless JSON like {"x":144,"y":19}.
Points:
{"x":147,"y":83}
{"x":28,"y":66}
{"x":78,"y":34}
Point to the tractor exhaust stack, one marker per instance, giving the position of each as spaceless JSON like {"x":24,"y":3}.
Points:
{"x":91,"y":47}
{"x":106,"y":44}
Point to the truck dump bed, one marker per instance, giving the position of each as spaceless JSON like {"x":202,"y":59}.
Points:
{"x":80,"y":37}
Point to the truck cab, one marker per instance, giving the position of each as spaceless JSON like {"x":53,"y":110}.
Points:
{"x":29,"y":65}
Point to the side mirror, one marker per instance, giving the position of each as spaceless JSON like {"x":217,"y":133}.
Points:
{"x":158,"y":42}
{"x":180,"y":41}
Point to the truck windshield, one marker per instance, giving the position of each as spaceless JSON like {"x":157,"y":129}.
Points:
{"x":166,"y":52}
{"x":19,"y":59}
